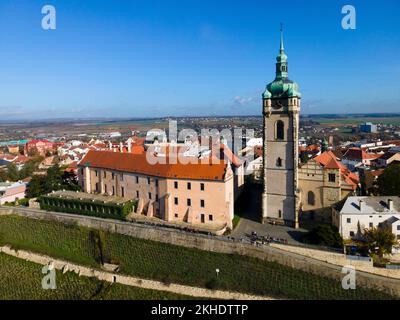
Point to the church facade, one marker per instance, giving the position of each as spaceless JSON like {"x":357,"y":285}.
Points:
{"x":281,"y":109}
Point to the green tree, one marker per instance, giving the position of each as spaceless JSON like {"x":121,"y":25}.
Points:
{"x":380,"y":241}
{"x":325,"y":235}
{"x":389,"y":181}
{"x":35,"y":187}
{"x":12,"y":172}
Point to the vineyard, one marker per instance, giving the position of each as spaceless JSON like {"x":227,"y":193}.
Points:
{"x":169,"y":263}
{"x":21,"y":280}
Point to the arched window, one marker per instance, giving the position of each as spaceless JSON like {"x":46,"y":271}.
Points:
{"x":279,"y":130}
{"x":279,"y":162}
{"x":311,"y":198}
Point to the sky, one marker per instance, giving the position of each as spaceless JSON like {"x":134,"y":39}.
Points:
{"x":116,"y":58}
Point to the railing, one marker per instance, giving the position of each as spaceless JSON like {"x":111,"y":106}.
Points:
{"x":358,"y":258}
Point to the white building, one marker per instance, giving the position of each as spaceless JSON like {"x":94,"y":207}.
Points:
{"x":360,"y":213}
{"x":12,"y":191}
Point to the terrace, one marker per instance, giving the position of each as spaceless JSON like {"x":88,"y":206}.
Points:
{"x":113,"y":207}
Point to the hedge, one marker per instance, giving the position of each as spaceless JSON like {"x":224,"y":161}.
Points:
{"x":87,"y":207}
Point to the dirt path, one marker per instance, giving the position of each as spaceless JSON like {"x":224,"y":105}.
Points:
{"x":66,"y":266}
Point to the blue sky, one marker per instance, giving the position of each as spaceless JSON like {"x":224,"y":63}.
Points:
{"x":168,"y":57}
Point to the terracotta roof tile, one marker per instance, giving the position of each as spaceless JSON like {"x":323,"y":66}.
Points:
{"x":138,"y":163}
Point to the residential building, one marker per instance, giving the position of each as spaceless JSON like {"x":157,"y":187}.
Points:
{"x":360,"y":213}
{"x":387,"y":158}
{"x":40,"y":147}
{"x":11,"y":191}
{"x":356,"y":157}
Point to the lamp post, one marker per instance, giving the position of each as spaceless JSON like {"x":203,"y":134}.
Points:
{"x":217,"y":272}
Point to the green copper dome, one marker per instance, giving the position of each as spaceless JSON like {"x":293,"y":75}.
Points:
{"x":282,"y":86}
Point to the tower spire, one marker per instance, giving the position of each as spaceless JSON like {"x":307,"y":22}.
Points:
{"x":282,"y":49}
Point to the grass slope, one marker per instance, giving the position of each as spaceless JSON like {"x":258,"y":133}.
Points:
{"x":169,"y":263}
{"x":21,"y":280}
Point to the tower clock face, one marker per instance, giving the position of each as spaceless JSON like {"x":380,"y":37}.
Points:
{"x":278,"y":105}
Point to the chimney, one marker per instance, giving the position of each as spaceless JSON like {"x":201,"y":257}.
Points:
{"x":361,"y":205}
{"x":390,"y":204}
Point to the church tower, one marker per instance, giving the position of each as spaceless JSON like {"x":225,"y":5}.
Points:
{"x":281,"y":108}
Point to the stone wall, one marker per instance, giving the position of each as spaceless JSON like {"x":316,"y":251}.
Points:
{"x":215,"y":244}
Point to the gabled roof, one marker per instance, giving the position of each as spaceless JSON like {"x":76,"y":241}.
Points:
{"x":358,"y":154}
{"x":329,"y":161}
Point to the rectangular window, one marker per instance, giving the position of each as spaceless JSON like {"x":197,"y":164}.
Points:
{"x":371,"y":225}
{"x":113,"y":191}
{"x":122,"y":192}
{"x":398,"y":227}
{"x":351,"y":233}
{"x":156,"y":197}
{"x":189,"y":186}
{"x":332,"y":177}
{"x":176,"y":184}
{"x":202,"y":203}
{"x":96,"y":172}
{"x":348,"y":220}
{"x":105,"y":188}
{"x":189,"y":202}
{"x":122,"y":177}
{"x":148,"y":180}
{"x":105,"y":175}
{"x":137,"y":194}
{"x":176,"y":201}
{"x":203,"y":218}
{"x":202,"y":186}
{"x":210,"y":217}
{"x":150,"y":195}
{"x":137,"y":179}
{"x":112,"y":175}
{"x":156,"y":182}
{"x":176,"y":215}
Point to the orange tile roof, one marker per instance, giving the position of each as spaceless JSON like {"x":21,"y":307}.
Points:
{"x":138,"y":163}
{"x":329,"y":161}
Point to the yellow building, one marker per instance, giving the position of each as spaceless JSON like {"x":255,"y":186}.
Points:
{"x":324,"y":181}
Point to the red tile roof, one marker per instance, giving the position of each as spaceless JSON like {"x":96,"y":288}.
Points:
{"x":138,"y":163}
{"x":329,"y":161}
{"x":359,"y":155}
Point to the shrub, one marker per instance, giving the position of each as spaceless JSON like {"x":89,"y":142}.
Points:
{"x":87,"y":207}
{"x":325,"y":235}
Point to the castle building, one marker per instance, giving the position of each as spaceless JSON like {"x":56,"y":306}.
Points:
{"x":199,"y":193}
{"x":281,"y":108}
